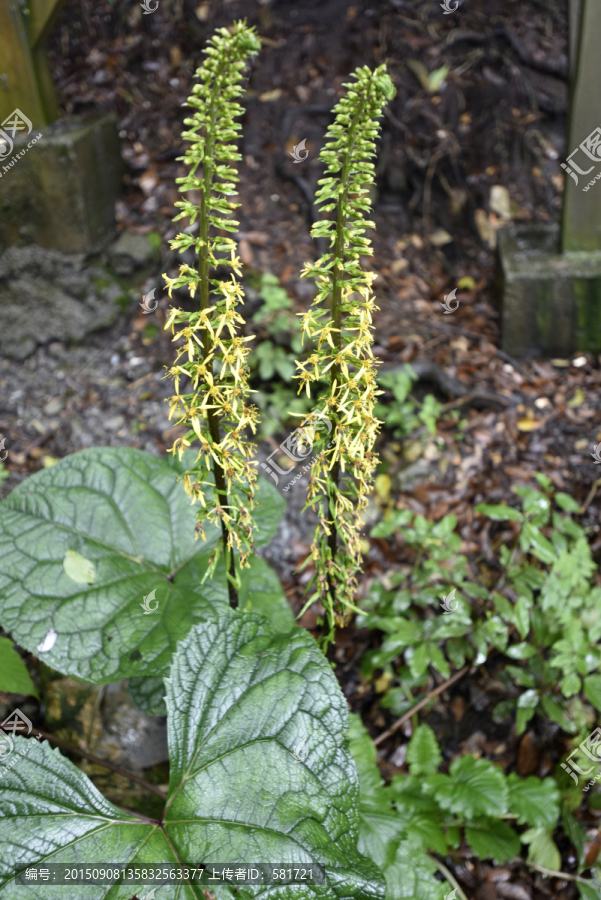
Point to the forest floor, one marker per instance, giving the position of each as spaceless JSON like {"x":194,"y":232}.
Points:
{"x":498,"y":122}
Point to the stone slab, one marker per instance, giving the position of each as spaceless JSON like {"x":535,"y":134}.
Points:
{"x":60,"y":190}
{"x":549,"y":303}
{"x":132,"y":251}
{"x":49,"y":296}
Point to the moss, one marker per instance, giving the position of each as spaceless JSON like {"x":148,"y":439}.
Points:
{"x":154,"y":238}
{"x":101,"y":283}
{"x":588,"y":311}
{"x":123,"y":302}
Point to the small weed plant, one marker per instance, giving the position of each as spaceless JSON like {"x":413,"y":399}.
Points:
{"x":535,"y":615}
{"x":272,"y":361}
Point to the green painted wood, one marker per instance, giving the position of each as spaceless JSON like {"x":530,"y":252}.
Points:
{"x":573,"y":35}
{"x":582,"y":200}
{"x":42,"y":17}
{"x":25,"y":77}
{"x":19,"y":87}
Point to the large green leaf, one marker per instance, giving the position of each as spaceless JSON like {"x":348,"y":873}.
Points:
{"x":121,"y":517}
{"x":262,"y":587}
{"x":242,"y":701}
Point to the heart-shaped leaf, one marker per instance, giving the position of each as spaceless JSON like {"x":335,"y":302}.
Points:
{"x":123,"y":515}
{"x":240,"y":700}
{"x":262,"y":587}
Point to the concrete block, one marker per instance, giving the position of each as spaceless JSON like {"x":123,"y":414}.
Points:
{"x":132,"y":251}
{"x":50,"y":296}
{"x":549,"y":303}
{"x":60,"y":190}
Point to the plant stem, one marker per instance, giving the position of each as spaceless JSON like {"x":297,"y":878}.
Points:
{"x":102,"y":762}
{"x":203,"y":271}
{"x":448,"y":875}
{"x":550,"y":873}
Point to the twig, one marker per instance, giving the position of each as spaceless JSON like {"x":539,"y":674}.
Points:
{"x":396,"y":123}
{"x":589,"y":499}
{"x":430,"y":696}
{"x":37,"y":442}
{"x":550,"y":873}
{"x":429,"y":371}
{"x":139,"y":381}
{"x":442,"y":151}
{"x":102,"y":762}
{"x":473,"y":398}
{"x":502,"y":354}
{"x":448,"y":875}
{"x":555,"y":67}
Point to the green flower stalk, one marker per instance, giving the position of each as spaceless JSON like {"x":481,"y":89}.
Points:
{"x":212,"y":363}
{"x":342,"y":474}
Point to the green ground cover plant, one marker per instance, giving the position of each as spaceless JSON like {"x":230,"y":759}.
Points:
{"x":542,"y":613}
{"x":539,"y":622}
{"x":279,"y":343}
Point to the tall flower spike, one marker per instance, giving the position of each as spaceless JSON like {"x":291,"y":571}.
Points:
{"x":342,"y":475}
{"x":210,"y":372}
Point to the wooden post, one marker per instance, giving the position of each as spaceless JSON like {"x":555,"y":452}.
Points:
{"x":573,"y":36}
{"x":25,"y":77}
{"x":581,"y":207}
